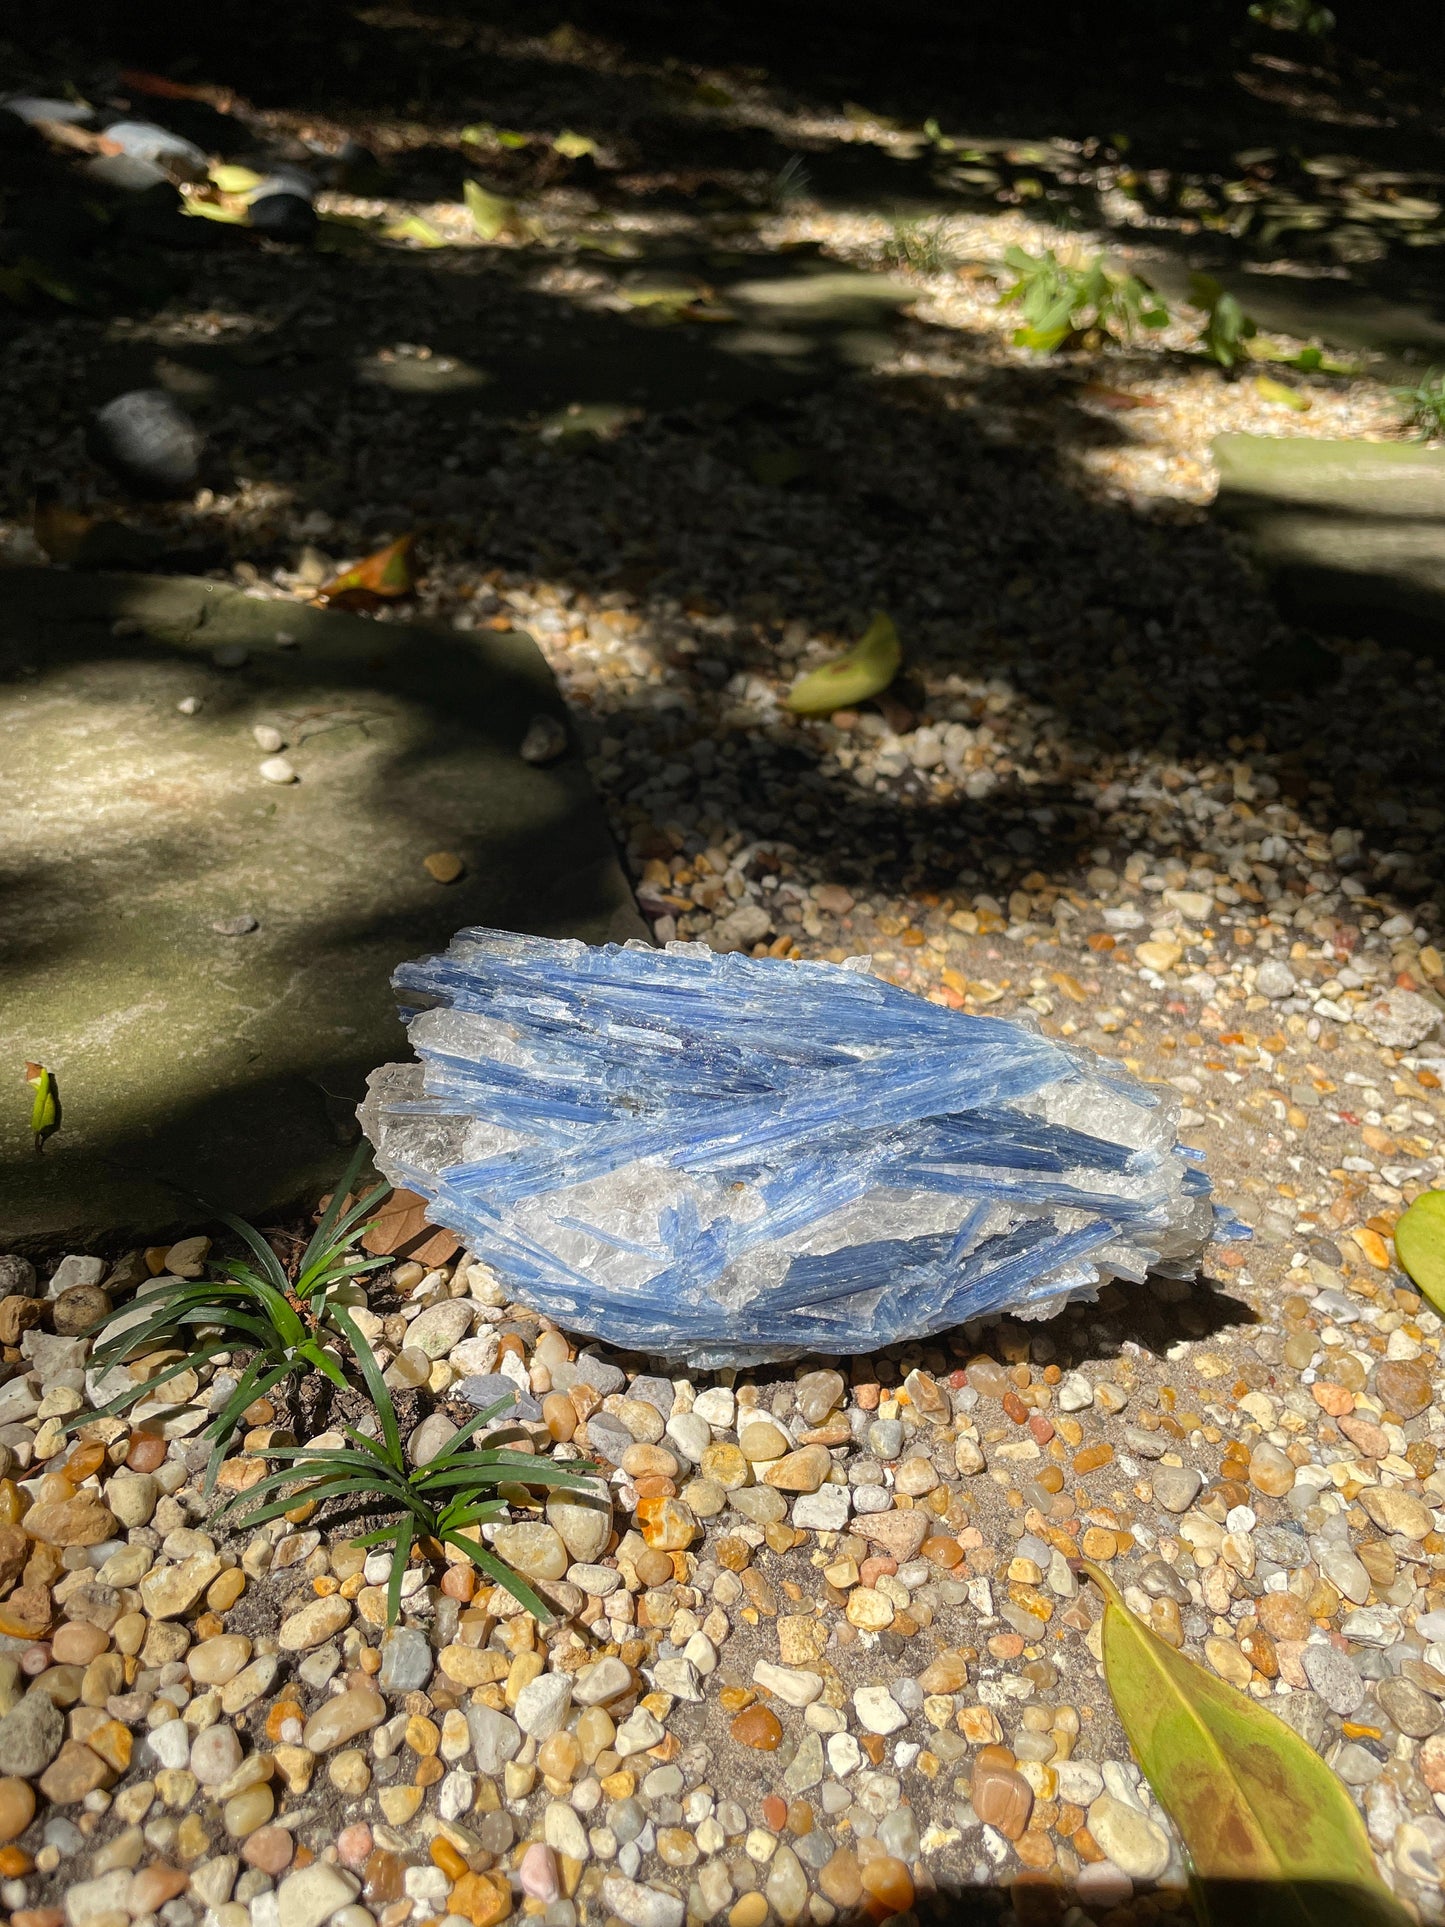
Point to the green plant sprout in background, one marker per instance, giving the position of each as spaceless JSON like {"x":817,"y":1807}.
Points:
{"x":1227,"y":327}
{"x":1059,"y":300}
{"x":920,"y":246}
{"x":1425,"y":405}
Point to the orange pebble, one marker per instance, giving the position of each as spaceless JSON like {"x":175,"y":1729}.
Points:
{"x":445,"y":1856}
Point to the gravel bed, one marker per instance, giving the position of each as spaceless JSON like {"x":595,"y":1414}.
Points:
{"x":830,"y":1653}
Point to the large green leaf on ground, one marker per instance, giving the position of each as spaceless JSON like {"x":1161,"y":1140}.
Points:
{"x":1273,"y":1837}
{"x":1420,"y":1245}
{"x":864,"y":670}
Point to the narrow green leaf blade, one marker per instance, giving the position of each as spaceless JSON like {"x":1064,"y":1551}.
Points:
{"x":1271,"y":1833}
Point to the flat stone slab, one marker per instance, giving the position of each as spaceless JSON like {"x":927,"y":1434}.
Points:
{"x":133,"y":835}
{"x":1352,"y":533}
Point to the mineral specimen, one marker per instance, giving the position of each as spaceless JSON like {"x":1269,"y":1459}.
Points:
{"x":732,"y":1159}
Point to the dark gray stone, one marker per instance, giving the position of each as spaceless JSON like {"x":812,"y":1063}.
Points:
{"x":148,"y":441}
{"x":608,"y":1436}
{"x":488,"y":1388}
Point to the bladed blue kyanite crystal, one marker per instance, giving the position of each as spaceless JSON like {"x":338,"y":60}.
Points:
{"x":729,"y":1159}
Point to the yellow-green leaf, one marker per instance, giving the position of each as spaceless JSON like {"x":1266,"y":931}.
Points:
{"x":865,"y":670}
{"x":490,"y":212}
{"x":1273,"y":1837}
{"x":234,"y":180}
{"x":413,"y":228}
{"x":572,"y":146}
{"x":1277,"y":391}
{"x":44,"y":1110}
{"x":1420,"y":1245}
{"x":214,"y":210}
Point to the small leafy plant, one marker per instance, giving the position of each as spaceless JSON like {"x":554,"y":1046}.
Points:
{"x":1059,"y":300}
{"x":791,"y":184}
{"x":1227,"y":327}
{"x":287,"y":1320}
{"x":921,"y":246}
{"x":441,"y":1502}
{"x":1425,"y":405}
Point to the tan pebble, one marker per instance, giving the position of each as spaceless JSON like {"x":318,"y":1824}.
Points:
{"x":74,"y":1772}
{"x":840,"y":1878}
{"x":1002,"y":1798}
{"x":760,"y":1440}
{"x":244,"y":1812}
{"x":443,"y":866}
{"x":223,"y":1592}
{"x":17,"y":1808}
{"x":349,"y":1773}
{"x":725,"y":1465}
{"x":215,"y":1661}
{"x":401,"y":1803}
{"x":801,"y":1471}
{"x":1228,"y":1661}
{"x":980,"y":1725}
{"x":77,"y":1644}
{"x":869,"y":1610}
{"x":948,"y":1673}
{"x":1270,"y":1471}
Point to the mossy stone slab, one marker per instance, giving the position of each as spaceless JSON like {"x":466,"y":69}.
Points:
{"x":1351,"y":533}
{"x":192,"y":1062}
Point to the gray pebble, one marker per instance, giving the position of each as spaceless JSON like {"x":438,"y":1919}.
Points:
{"x":655,"y":1390}
{"x":17,"y":1277}
{"x":148,"y":441}
{"x":1176,"y":1486}
{"x":1408,"y":1709}
{"x":31,"y":1735}
{"x":1334,"y":1677}
{"x":609,"y":1436}
{"x":490,"y":1388}
{"x":588,"y":1369}
{"x":1357,"y":1765}
{"x":406,"y":1660}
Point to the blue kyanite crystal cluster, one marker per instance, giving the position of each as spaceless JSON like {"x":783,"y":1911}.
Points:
{"x":730,"y":1159}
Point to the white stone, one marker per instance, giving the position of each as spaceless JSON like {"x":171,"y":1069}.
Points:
{"x":825,"y":1510}
{"x":313,"y":1895}
{"x":690,"y":1434}
{"x":441,"y":1327}
{"x":543,"y":1704}
{"x":877,"y":1710}
{"x":642,"y":1906}
{"x":1129,"y":1837}
{"x":790,"y":1684}
{"x":718,"y":1406}
{"x":563,"y":1831}
{"x":637,"y":1732}
{"x":92,"y":1900}
{"x":1075,"y":1393}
